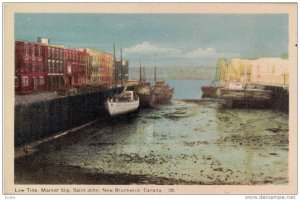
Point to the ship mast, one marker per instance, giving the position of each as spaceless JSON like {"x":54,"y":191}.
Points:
{"x":114,"y":65}
{"x":144,"y":74}
{"x":140,"y":72}
{"x":155,"y":68}
{"x":121,"y":66}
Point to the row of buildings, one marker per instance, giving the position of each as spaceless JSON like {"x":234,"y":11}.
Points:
{"x":41,"y":66}
{"x":262,"y":71}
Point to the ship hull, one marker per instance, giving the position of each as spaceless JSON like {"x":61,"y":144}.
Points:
{"x":120,"y":108}
{"x":162,"y":99}
{"x":209,"y":91}
{"x":146,"y":100}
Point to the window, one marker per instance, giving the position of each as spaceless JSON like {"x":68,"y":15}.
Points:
{"x":49,"y":52}
{"x":61,"y":66}
{"x":25,"y":81}
{"x":75,"y":68}
{"x":49,"y":65}
{"x":26,"y":49}
{"x":26,"y":66}
{"x":38,"y":51}
{"x":57,"y":69}
{"x":53,"y":53}
{"x":41,"y":66}
{"x":69,"y":68}
{"x":53,"y":66}
{"x":33,"y":65}
{"x":61,"y":54}
{"x":32,"y":50}
{"x":42,"y":80}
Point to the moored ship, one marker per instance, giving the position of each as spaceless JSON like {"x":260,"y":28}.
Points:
{"x":150,"y":96}
{"x":162,"y":93}
{"x":209,"y":91}
{"x":123,"y":103}
{"x":144,"y":91}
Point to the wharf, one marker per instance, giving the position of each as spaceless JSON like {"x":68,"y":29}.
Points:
{"x":51,"y":113}
{"x":267,"y":96}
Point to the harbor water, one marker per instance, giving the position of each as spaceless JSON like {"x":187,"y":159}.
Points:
{"x":185,"y":142}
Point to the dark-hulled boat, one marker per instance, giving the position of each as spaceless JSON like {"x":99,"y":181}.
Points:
{"x":209,"y":91}
{"x":162,"y":93}
{"x":150,"y":96}
{"x":144,"y":92}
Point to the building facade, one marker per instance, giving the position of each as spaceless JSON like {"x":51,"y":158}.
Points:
{"x":263,"y":71}
{"x":54,"y":62}
{"x":41,"y":66}
{"x":93,"y":68}
{"x":270,"y":71}
{"x":30,"y":71}
{"x":76,"y":62}
{"x":106,"y":69}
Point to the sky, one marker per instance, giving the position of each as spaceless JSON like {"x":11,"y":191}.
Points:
{"x":180,"y":40}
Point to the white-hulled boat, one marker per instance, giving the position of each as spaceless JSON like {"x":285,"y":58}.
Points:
{"x":123,"y":103}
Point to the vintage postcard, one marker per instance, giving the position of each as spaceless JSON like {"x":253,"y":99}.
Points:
{"x":150,"y":98}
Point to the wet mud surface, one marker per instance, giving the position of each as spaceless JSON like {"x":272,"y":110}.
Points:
{"x":186,"y":142}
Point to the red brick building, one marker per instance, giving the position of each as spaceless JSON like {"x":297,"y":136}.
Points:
{"x":76,"y":62}
{"x":30,"y":71}
{"x":54,"y":62}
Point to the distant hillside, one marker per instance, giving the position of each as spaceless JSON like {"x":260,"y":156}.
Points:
{"x":175,"y":73}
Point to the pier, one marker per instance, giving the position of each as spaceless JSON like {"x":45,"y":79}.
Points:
{"x":38,"y":119}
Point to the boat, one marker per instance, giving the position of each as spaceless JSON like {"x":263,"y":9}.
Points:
{"x":150,"y":96}
{"x":123,"y":103}
{"x":211,"y":91}
{"x":144,"y":91}
{"x":162,"y":93}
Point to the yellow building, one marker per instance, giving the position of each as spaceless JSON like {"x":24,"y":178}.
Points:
{"x":93,"y":71}
{"x":264,"y":71}
{"x":270,"y":71}
{"x":236,"y":70}
{"x":239,"y":70}
{"x":100,"y":69}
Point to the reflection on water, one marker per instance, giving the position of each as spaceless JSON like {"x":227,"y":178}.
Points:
{"x":195,"y":141}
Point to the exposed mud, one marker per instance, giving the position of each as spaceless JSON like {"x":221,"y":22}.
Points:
{"x":186,"y":142}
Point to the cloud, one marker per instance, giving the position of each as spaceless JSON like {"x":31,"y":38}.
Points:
{"x":202,"y":53}
{"x":146,"y":48}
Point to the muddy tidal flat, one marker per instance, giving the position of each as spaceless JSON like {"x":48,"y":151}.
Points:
{"x":185,"y":142}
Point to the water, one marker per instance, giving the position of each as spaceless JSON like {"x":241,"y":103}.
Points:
{"x":188,"y":89}
{"x":185,"y":142}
